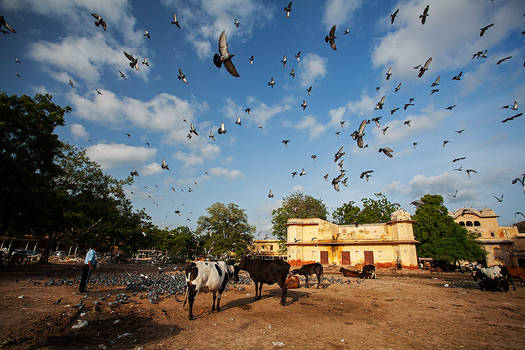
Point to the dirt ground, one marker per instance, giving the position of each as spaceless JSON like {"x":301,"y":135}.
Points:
{"x":390,"y":312}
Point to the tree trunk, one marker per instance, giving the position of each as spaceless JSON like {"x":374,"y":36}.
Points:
{"x":51,"y":244}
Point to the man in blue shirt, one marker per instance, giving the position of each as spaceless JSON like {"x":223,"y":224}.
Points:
{"x":89,"y":265}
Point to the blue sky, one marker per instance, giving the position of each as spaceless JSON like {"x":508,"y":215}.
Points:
{"x":58,"y":41}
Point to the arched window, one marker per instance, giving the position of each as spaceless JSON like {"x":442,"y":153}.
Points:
{"x":476,"y":223}
{"x":469,"y":223}
{"x":492,"y":234}
{"x":462,"y":223}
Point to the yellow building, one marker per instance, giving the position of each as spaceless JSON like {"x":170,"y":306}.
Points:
{"x":267,"y":249}
{"x":502,"y":243}
{"x":317,"y":240}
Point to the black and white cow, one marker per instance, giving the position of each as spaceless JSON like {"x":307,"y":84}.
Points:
{"x":207,"y":276}
{"x":494,"y":278}
{"x":369,"y":271}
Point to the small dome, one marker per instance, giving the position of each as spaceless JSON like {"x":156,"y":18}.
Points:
{"x":400,"y":215}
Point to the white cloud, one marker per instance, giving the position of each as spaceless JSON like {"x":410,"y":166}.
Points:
{"x":452,"y":27}
{"x":189,"y":159}
{"x":208,"y":18}
{"x":260,"y":112}
{"x":78,"y":131}
{"x":116,"y":154}
{"x":229,"y":174}
{"x":151,"y":169}
{"x":297,"y":188}
{"x":316,"y":128}
{"x":340,"y":12}
{"x":313,"y":68}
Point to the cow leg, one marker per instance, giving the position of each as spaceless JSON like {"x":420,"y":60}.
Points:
{"x":284,"y":291}
{"x":306,"y":280}
{"x":260,"y":290}
{"x":256,"y":289}
{"x":191,"y":299}
{"x":213,"y":305}
{"x":318,"y":280}
{"x":221,"y":290}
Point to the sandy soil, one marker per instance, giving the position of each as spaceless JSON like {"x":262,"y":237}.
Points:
{"x":390,"y":312}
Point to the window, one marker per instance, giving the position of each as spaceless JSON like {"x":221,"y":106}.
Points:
{"x":492,"y":234}
{"x":462,"y":223}
{"x":476,"y":223}
{"x":262,"y":247}
{"x":469,"y":223}
{"x":271,"y":247}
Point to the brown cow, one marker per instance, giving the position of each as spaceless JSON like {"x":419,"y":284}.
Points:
{"x":349,"y":273}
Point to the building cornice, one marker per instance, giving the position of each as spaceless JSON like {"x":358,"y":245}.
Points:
{"x":353,"y":242}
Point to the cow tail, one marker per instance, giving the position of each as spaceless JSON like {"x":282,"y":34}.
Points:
{"x":186,"y":296}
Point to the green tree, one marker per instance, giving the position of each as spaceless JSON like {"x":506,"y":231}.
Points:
{"x":225,"y":230}
{"x":299,"y":206}
{"x":180,"y":242}
{"x":28,"y":151}
{"x":374,"y":210}
{"x":441,"y":238}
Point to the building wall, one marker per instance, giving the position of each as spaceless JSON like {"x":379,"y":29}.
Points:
{"x":267,"y":248}
{"x":308,"y":238}
{"x":498,"y":241}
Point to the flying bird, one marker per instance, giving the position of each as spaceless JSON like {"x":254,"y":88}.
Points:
{"x":407,"y":122}
{"x":283,"y":61}
{"x":512,"y":118}
{"x":453,"y":195}
{"x":331,"y":38}
{"x":288,"y":9}
{"x":98,"y":91}
{"x":381,"y":103}
{"x":251,"y":60}
{"x":450,"y":107}
{"x":388,"y":73}
{"x":285,"y":142}
{"x":418,"y":203}
{"x":71,"y":83}
{"x":423,"y":69}
{"x":484,"y":29}
{"x":424,"y":15}
{"x":458,"y":77}
{"x":503,"y":59}
{"x":338,"y":154}
{"x":499,"y":199}
{"x":347,"y":31}
{"x":387,"y":151}
{"x":392,"y":111}
{"x":393,"y":16}
{"x":384,"y":130}
{"x":298,"y":56}
{"x":134,"y":173}
{"x":397,"y":88}
{"x":309,"y":91}
{"x":460,"y":131}
{"x":325,"y":177}
{"x":407,"y":105}
{"x":164,"y":165}
{"x":294,"y":174}
{"x":271,"y":82}
{"x":460,"y":168}
{"x":458,"y":159}
{"x":302,"y":173}
{"x":376,"y":121}
{"x":192,"y":130}
{"x":236,"y":22}
{"x":520,"y":180}
{"x":248,"y":110}
{"x":292,"y":73}
{"x":519,"y":212}
{"x":99,"y":21}
{"x":445,"y":142}
{"x":514,"y":106}
{"x":3,"y":23}
{"x":182,"y":76}
{"x":336,"y":180}
{"x":365,"y":173}
{"x":434,"y":91}
{"x":225,"y":56}
{"x":133,"y":62}
{"x":313,"y":156}
{"x":17,"y":60}
{"x":238,"y":121}
{"x":211,"y":136}
{"x":146,"y":34}
{"x":222,"y":130}
{"x":128,"y":134}
{"x":415,"y":144}
{"x":468,"y":171}
{"x":175,"y":21}
{"x":270,"y":194}
{"x":304,"y":105}
{"x":145,"y":61}
{"x":342,"y":123}
{"x":436,"y":82}
{"x":122,"y":75}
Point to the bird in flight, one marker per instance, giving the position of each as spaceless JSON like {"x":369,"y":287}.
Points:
{"x":423,"y":69}
{"x":146,"y":34}
{"x":503,"y":59}
{"x":376,"y":121}
{"x":71,"y":83}
{"x":164,"y":165}
{"x":520,"y":180}
{"x":453,"y":195}
{"x":285,"y":142}
{"x":397,"y":88}
{"x":388,"y":73}
{"x":418,"y":203}
{"x":387,"y":151}
{"x":424,"y":15}
{"x":134,"y":173}
{"x":304,"y":105}
{"x":393,"y":16}
{"x":499,"y":199}
{"x":445,"y":142}
{"x":270,"y":194}
{"x":283,"y":61}
{"x":292,"y":74}
{"x":339,"y":154}
{"x":238,"y":121}
{"x":381,"y":103}
{"x":313,"y":156}
{"x":192,"y":130}
{"x":236,"y":22}
{"x":3,"y":23}
{"x":211,"y":136}
{"x":133,"y":62}
{"x":458,"y":159}
{"x":436,"y":82}
{"x":458,"y":77}
{"x":175,"y":21}
{"x":512,"y":118}
{"x":182,"y":76}
{"x":392,"y":111}
{"x":248,"y":110}
{"x":271,"y":82}
{"x":221,"y":130}
{"x":484,"y":29}
{"x":460,"y":131}
{"x":336,"y":180}
{"x":434,"y":91}
{"x":415,"y":144}
{"x":468,"y":171}
{"x":309,"y":91}
{"x":145,"y":61}
{"x":460,"y":168}
{"x":407,"y":122}
{"x":302,"y":173}
{"x":99,"y":92}
{"x":514,"y":106}
{"x":251,"y":60}
{"x":122,"y":75}
{"x":365,"y":173}
{"x":288,"y":9}
{"x":294,"y":174}
{"x":128,"y":134}
{"x":407,"y":104}
{"x":331,"y":38}
{"x":225,"y":56}
{"x":99,"y":21}
{"x":384,"y":130}
{"x":451,"y":107}
{"x":298,"y":56}
{"x":346,"y":31}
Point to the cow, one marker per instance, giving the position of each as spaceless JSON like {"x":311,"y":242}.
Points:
{"x":369,"y":271}
{"x":207,"y":276}
{"x":349,"y":273}
{"x":265,"y":271}
{"x":310,"y":269}
{"x":494,"y":278}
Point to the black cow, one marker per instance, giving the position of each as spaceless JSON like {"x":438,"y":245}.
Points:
{"x":369,"y":271}
{"x":310,"y":269}
{"x":495,"y":278}
{"x":266,"y":271}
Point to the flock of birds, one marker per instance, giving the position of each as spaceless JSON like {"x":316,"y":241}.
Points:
{"x":225,"y":58}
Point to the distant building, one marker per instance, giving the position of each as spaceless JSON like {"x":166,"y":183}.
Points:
{"x":267,"y":249}
{"x":317,"y":240}
{"x":504,"y":244}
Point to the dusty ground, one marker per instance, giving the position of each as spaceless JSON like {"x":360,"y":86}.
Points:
{"x":391,"y":312}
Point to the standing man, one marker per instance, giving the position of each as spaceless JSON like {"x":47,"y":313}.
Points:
{"x":89,"y":265}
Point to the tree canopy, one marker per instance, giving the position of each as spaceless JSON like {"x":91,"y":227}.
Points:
{"x":441,"y":238}
{"x":374,"y":210}
{"x":296,"y":205}
{"x":225,"y":230}
{"x":180,"y":242}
